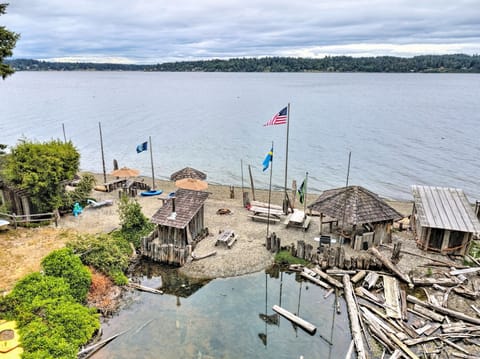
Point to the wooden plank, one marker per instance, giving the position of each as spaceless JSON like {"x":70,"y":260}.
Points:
{"x":354,"y":315}
{"x":465,"y":271}
{"x":310,"y":328}
{"x":392,"y":297}
{"x":315,"y":280}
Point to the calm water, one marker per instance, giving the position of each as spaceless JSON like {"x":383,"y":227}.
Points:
{"x":402,"y":129}
{"x":224,"y":319}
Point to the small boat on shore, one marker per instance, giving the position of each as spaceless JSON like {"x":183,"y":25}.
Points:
{"x":152,"y":192}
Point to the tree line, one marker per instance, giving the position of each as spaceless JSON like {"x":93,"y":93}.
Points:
{"x":424,"y":63}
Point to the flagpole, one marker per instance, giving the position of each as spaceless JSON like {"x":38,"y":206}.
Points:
{"x":305,"y":194}
{"x":285,"y":201}
{"x":103,"y":157}
{"x":269,"y":193}
{"x":345,"y":201}
{"x":151,"y":160}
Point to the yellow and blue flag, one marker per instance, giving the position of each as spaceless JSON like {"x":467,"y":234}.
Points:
{"x":268,"y":159}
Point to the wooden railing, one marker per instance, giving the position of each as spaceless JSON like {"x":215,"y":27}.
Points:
{"x":15,"y":219}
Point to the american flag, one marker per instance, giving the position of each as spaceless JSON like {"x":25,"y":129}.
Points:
{"x":278,"y":119}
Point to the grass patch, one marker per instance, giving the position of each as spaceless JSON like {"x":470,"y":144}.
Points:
{"x":286,"y":258}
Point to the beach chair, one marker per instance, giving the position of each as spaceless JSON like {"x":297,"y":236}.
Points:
{"x":95,"y":204}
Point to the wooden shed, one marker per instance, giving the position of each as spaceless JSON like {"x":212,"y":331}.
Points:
{"x":179,"y":225}
{"x":443,"y":220}
{"x":365,"y":218}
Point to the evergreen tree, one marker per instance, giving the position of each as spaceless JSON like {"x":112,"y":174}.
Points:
{"x":8,"y":40}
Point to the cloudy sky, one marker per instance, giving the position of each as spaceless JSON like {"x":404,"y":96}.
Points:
{"x":155,"y":31}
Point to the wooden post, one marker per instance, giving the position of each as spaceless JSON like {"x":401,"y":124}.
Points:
{"x":353,"y":315}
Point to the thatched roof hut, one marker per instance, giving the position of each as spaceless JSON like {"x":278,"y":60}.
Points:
{"x":356,"y":204}
{"x":188,"y":172}
{"x":370,"y":217}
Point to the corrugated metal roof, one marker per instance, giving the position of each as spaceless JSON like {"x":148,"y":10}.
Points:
{"x":187,"y":204}
{"x":445,"y":208}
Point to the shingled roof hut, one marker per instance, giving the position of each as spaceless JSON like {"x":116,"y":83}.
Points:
{"x":369,"y":217}
{"x":443,"y":220}
{"x":179,"y":226}
{"x":188,"y":172}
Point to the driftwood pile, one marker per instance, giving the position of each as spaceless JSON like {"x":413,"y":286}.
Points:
{"x":387,"y":318}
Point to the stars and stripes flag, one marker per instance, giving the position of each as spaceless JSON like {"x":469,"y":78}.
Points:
{"x":279,"y":118}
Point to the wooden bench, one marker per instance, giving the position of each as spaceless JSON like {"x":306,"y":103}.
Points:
{"x":263,"y":218}
{"x":298,"y":219}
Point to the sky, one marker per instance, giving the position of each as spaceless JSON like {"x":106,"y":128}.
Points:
{"x":157,"y":31}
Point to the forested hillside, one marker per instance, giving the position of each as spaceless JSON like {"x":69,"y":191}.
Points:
{"x":425,"y":63}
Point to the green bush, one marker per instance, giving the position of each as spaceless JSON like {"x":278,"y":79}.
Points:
{"x":65,"y":264}
{"x":33,"y":288}
{"x":107,"y":253}
{"x":134,"y":223}
{"x":59,"y":328}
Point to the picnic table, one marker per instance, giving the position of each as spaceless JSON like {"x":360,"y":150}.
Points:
{"x":298,"y":219}
{"x":264,"y":214}
{"x":226,"y":238}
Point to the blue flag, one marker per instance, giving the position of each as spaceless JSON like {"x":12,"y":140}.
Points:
{"x":267,"y":160}
{"x":142,"y":147}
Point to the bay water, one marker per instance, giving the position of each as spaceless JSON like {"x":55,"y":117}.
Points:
{"x":402,"y":129}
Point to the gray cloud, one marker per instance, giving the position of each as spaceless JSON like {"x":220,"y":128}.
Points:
{"x":159,"y":30}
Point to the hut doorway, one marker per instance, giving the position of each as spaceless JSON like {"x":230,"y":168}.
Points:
{"x":436,"y":238}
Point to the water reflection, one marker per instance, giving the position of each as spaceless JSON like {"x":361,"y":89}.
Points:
{"x":226,"y":318}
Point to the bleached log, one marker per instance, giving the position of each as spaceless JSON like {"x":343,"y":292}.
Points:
{"x":327,"y":278}
{"x":358,"y":277}
{"x":442,"y":310}
{"x":196,"y":257}
{"x":310,"y":328}
{"x":429,"y":313}
{"x":315,"y":280}
{"x":350,"y":350}
{"x":424,"y":282}
{"x":465,"y":271}
{"x":402,"y":346}
{"x":144,"y":288}
{"x":371,"y":280}
{"x":340,"y":272}
{"x":353,"y":315}
{"x":388,"y":263}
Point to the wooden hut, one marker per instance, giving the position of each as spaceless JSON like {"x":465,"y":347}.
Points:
{"x":179,"y":226}
{"x":364,"y":218}
{"x":188,"y":172}
{"x":443,"y":220}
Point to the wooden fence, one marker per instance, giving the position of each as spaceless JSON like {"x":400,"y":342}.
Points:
{"x":15,"y":219}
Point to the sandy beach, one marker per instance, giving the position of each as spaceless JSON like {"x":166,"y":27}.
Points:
{"x":23,"y":249}
{"x":247,"y":255}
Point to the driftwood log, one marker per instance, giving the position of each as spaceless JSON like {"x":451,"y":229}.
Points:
{"x":388,"y":263}
{"x":353,"y":315}
{"x":309,"y":327}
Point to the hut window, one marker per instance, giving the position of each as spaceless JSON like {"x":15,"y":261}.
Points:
{"x":436,"y":238}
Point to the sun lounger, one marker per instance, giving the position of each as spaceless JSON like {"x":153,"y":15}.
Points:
{"x":95,"y":204}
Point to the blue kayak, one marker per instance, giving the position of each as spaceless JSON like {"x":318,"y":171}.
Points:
{"x":151,"y":193}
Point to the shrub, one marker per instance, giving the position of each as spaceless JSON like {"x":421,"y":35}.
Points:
{"x":59,"y":328}
{"x":33,"y":288}
{"x":107,"y":253}
{"x":134,"y":223}
{"x":65,"y":264}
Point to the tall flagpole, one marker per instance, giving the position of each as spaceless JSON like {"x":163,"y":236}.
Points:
{"x":151,"y":160}
{"x":270,"y":193}
{"x":345,"y":200}
{"x":285,"y":201}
